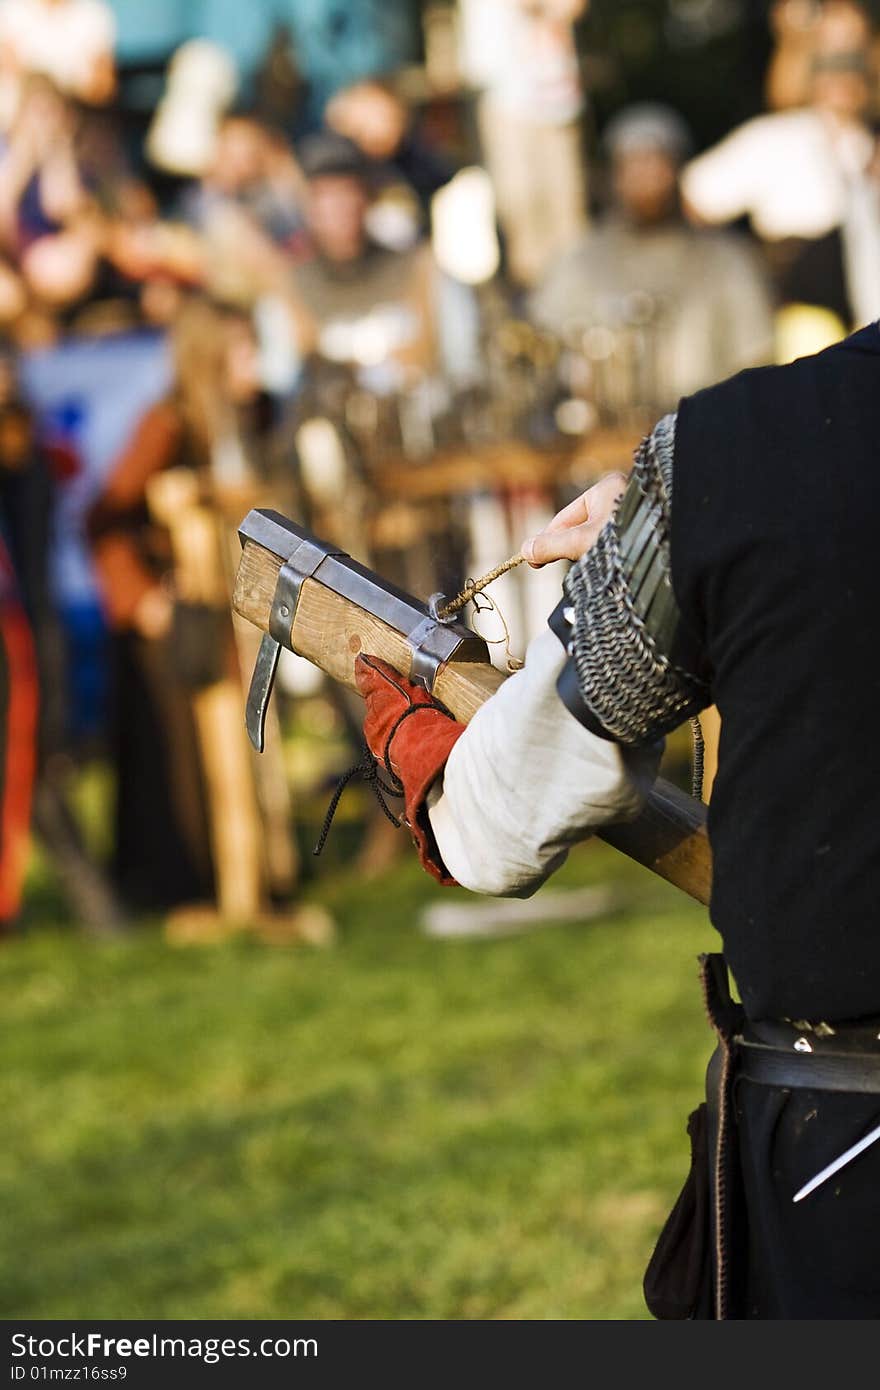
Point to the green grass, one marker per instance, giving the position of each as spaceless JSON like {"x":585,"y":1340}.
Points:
{"x":392,"y":1127}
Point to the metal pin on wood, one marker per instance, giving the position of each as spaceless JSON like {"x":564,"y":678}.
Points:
{"x":846,"y":1157}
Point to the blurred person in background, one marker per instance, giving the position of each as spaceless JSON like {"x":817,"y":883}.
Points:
{"x":245,"y":213}
{"x":253,"y":172}
{"x":166,"y":645}
{"x":794,"y":24}
{"x":145,"y":262}
{"x":706,"y":289}
{"x":382,"y":125}
{"x":50,"y":227}
{"x":807,"y":180}
{"x":70,"y":41}
{"x":235,"y":198}
{"x":386,"y":311}
{"x":80,"y":230}
{"x":335,"y":45}
{"x":151,"y":263}
{"x":381,"y":329}
{"x":27,"y":517}
{"x":521,"y":56}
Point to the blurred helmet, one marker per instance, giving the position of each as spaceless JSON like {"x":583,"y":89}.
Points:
{"x":329,"y":153}
{"x":648,"y":125}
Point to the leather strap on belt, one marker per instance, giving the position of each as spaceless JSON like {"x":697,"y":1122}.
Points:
{"x":727,"y":1019}
{"x":857,"y":1073}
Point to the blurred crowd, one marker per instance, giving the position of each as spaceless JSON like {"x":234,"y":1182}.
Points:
{"x":435,"y":266}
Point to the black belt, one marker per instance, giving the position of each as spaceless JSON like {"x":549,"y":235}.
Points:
{"x":820,"y":1070}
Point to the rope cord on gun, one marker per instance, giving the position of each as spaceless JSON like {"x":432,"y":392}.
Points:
{"x":469,"y":593}
{"x":476,"y":586}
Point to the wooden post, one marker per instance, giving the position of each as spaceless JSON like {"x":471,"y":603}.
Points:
{"x":233,"y":815}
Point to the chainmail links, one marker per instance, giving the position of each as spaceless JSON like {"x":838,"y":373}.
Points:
{"x":625,"y":611}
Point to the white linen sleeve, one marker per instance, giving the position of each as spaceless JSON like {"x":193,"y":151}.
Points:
{"x":723,"y":183}
{"x":526,"y":781}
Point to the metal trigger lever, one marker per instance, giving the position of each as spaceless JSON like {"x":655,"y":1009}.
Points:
{"x":260,"y":691}
{"x":302,"y":560}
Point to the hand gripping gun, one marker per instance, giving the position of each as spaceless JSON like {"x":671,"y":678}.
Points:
{"x":310,"y":597}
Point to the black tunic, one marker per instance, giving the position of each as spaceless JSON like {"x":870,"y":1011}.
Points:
{"x":764,"y":515}
{"x":775,"y":550}
{"x":776,"y":569}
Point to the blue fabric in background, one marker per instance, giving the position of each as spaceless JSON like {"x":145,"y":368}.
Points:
{"x":340,"y":41}
{"x":88,"y":395}
{"x":336,"y":41}
{"x":151,"y":30}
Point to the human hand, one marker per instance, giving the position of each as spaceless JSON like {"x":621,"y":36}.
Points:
{"x":574,"y":530}
{"x":388,"y":696}
{"x":411,"y":736}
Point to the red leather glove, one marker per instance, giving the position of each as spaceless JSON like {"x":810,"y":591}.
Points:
{"x":410,"y":735}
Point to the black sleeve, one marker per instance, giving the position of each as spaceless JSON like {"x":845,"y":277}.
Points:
{"x":623,"y":625}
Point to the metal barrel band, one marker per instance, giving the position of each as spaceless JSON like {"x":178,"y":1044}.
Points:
{"x":432,"y":643}
{"x":434,"y":640}
{"x":301,"y":564}
{"x":303,"y":559}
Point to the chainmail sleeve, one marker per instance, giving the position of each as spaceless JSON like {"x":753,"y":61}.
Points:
{"x":622,"y":680}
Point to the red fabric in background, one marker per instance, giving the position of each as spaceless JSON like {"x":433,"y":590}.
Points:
{"x":19,"y":737}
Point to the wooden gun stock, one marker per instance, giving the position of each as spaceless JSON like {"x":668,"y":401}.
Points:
{"x":669,"y":837}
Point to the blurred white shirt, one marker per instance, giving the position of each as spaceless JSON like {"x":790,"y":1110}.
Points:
{"x":791,"y":173}
{"x":62,"y":41}
{"x":524,"y":58}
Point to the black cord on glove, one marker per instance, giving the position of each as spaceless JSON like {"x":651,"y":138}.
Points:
{"x":368,"y":768}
